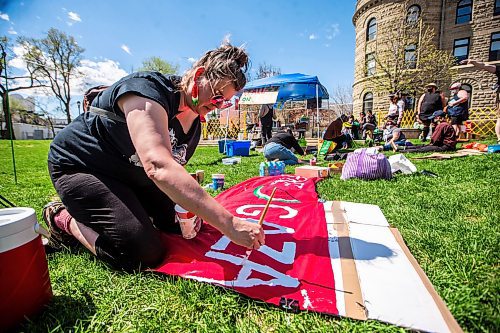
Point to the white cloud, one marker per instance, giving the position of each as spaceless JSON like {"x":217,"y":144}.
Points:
{"x":191,"y":60}
{"x":332,"y":31}
{"x":11,"y":31}
{"x":93,"y":73}
{"x":313,"y":36}
{"x":4,"y":16}
{"x":126,"y":49}
{"x":74,"y":17}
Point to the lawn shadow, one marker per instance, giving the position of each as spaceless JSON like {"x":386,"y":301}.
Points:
{"x":63,"y":312}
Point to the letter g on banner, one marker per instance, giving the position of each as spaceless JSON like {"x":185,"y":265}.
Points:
{"x":242,"y":210}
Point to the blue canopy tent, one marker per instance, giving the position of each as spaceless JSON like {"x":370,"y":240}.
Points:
{"x":282,"y":88}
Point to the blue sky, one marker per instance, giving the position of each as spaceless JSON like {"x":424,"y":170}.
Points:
{"x":313,"y":37}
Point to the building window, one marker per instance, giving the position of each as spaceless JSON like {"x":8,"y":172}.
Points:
{"x":411,"y":56}
{"x":495,"y":46}
{"x":371,"y":30}
{"x":370,"y":64}
{"x":413,"y":14}
{"x":461,"y":49}
{"x":464,"y":11}
{"x":468,"y":88}
{"x":368,"y":102}
{"x":497,"y":8}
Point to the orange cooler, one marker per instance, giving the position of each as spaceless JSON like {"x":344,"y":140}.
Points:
{"x":24,"y":275}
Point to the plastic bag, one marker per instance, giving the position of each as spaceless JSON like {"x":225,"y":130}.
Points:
{"x":400,"y":163}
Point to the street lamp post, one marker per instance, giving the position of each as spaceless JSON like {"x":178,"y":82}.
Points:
{"x":78,"y":103}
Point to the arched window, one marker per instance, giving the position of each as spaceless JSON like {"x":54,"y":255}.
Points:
{"x":411,"y":56}
{"x":368,"y":102}
{"x":413,"y":14}
{"x":464,"y":11}
{"x":371,"y":30}
{"x":468,"y":88}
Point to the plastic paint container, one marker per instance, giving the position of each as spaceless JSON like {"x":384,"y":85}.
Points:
{"x":217,"y":181}
{"x":24,"y":276}
{"x":190,"y":224}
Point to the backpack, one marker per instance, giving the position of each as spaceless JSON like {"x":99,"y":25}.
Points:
{"x":90,"y":95}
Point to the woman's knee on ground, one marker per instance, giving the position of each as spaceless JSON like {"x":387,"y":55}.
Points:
{"x":138,"y":250}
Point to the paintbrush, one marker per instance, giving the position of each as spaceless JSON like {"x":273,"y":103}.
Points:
{"x":261,"y":221}
{"x":264,"y":212}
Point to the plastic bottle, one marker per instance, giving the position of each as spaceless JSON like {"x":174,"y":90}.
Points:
{"x":272,"y":168}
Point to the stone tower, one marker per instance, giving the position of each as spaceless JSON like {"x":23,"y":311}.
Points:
{"x":466,"y":28}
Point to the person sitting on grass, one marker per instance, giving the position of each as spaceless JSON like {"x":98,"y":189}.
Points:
{"x":337,"y":133}
{"x":279,"y":146}
{"x":368,"y":126}
{"x":444,"y":137}
{"x":393,"y":136}
{"x":119,"y":171}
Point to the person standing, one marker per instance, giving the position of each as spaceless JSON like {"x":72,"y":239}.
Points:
{"x":266,"y":116}
{"x":458,"y":106}
{"x":494,"y":69}
{"x":401,"y":108}
{"x":431,"y":101}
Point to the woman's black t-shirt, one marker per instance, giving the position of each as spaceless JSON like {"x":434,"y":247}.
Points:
{"x":99,"y":144}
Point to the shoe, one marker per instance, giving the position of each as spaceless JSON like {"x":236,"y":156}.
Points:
{"x":58,"y":238}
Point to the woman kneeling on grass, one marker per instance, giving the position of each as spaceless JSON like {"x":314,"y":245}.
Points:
{"x":120,"y":180}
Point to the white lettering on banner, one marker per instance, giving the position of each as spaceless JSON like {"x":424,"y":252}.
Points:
{"x":307,"y":302}
{"x":291,"y":212}
{"x":285,"y":256}
{"x":243,"y":280}
{"x":297,"y":181}
{"x":224,"y":241}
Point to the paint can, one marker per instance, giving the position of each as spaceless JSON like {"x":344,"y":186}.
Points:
{"x":217,"y":181}
{"x":24,"y":275}
{"x":190,"y":224}
{"x":200,"y":176}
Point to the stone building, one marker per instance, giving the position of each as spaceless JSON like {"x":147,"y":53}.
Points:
{"x":466,"y":28}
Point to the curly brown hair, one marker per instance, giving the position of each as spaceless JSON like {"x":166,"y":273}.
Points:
{"x":226,"y":61}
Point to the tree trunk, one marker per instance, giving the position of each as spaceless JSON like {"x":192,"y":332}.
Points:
{"x":8,"y":120}
{"x":68,"y":113}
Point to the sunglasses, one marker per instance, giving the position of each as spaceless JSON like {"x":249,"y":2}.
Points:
{"x":218,"y":99}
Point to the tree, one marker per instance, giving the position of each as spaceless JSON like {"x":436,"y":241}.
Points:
{"x":160,"y":65}
{"x":342,"y":99}
{"x":266,"y":70}
{"x":57,"y":57}
{"x":10,"y":83}
{"x":407,"y":58}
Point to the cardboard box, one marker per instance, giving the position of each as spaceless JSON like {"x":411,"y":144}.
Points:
{"x":310,"y":171}
{"x":336,"y":168}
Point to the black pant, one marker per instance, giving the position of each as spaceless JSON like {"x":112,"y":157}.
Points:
{"x":128,"y":220}
{"x":427,"y":149}
{"x":267,"y":132}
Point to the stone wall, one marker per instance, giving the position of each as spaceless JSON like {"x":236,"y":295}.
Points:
{"x":479,"y":31}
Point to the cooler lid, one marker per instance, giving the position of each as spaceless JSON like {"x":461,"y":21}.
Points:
{"x":15,"y":220}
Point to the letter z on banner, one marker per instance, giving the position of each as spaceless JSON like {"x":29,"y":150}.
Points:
{"x":293,"y":269}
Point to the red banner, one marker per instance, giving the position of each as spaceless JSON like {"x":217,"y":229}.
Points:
{"x":292,"y":270}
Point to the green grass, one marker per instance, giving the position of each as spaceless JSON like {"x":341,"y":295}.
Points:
{"x":451,"y":225}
